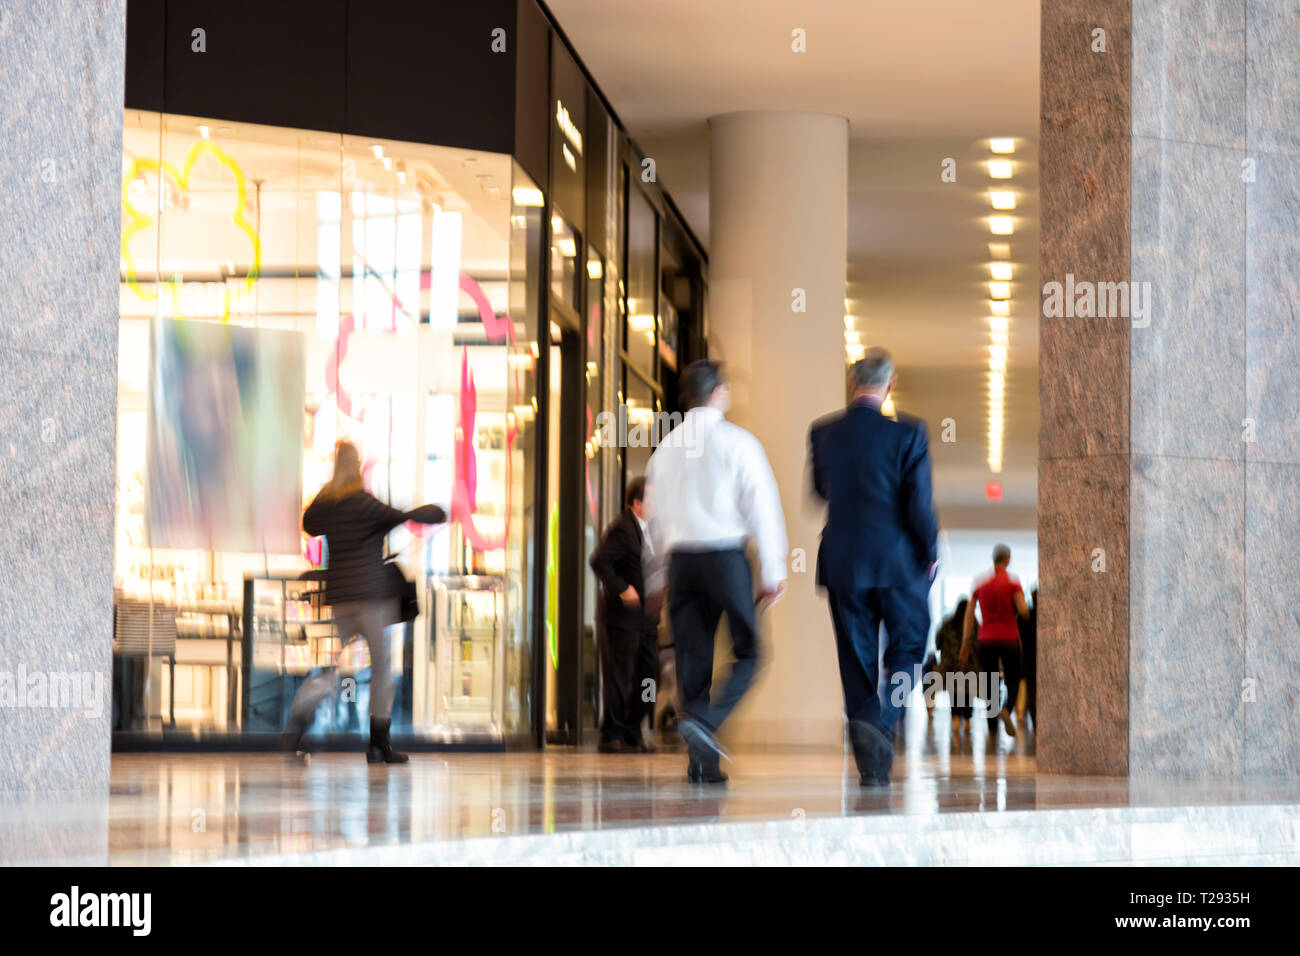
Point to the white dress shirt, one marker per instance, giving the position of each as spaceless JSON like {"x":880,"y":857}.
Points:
{"x":709,"y":487}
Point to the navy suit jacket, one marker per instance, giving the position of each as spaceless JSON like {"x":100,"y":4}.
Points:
{"x":874,"y":474}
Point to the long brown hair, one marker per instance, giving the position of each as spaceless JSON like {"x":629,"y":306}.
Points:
{"x":347,"y":472}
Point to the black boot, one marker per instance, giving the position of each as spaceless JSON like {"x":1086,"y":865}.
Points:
{"x":379,"y":750}
{"x":704,"y":769}
{"x":291,"y":739}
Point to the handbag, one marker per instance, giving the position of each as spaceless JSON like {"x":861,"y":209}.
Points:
{"x":408,"y":605}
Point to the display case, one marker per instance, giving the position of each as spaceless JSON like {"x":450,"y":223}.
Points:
{"x":289,"y":631}
{"x":466,"y":630}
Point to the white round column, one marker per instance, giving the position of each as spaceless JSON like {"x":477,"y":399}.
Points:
{"x":778,"y":225}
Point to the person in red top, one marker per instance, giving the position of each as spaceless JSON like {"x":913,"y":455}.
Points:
{"x":1000,"y":599}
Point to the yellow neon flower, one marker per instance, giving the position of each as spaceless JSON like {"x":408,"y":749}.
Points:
{"x":134,"y":220}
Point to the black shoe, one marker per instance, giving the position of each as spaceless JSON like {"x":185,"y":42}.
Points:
{"x":704,"y":771}
{"x":291,"y":739}
{"x":639,"y":747}
{"x":380,"y":750}
{"x":873,"y":750}
{"x":700,"y":739}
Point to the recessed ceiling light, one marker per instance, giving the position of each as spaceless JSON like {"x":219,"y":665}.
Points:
{"x":999,"y":290}
{"x":850,"y":322}
{"x":377,"y":150}
{"x":1001,"y":225}
{"x":1003,"y":199}
{"x":205,"y":131}
{"x":1000,"y":168}
{"x":1000,"y":250}
{"x":1002,"y":144}
{"x":852,"y":338}
{"x":998,"y":323}
{"x":1002,"y":308}
{"x":1000,"y":270}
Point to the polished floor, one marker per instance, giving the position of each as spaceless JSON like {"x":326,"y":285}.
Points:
{"x":981,"y":801}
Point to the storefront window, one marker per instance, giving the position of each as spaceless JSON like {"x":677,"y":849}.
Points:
{"x":595,"y":454}
{"x":566,"y":268}
{"x":526,"y":237}
{"x":283,"y":290}
{"x":642,"y":282}
{"x":642,"y":418}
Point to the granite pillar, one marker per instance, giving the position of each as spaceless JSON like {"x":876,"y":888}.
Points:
{"x":61,"y":79}
{"x":1168,"y":439}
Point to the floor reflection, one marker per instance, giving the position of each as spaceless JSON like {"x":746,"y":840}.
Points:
{"x":194,"y":808}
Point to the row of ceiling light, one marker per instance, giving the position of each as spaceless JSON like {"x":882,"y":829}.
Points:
{"x":1003,"y":200}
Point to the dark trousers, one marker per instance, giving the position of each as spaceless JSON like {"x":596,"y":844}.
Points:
{"x":628,"y":658}
{"x":702,"y":586}
{"x":857,"y":616}
{"x":1029,"y":669}
{"x":1008,"y":657}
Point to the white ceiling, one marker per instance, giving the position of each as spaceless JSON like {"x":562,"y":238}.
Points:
{"x":919,"y":82}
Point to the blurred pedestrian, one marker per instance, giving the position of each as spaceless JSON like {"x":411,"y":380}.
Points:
{"x":1029,"y":658}
{"x":1000,"y":599}
{"x":959,"y":683}
{"x":878,"y":555}
{"x":361,"y":591}
{"x":628,"y":635}
{"x":709,"y":490}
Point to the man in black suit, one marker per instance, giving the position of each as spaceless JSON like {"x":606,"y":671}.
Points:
{"x":878,"y":555}
{"x":628,"y":632}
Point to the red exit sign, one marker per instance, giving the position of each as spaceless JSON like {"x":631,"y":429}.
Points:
{"x":993,"y":491}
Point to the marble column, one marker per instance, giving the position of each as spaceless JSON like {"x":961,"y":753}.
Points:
{"x":1169,"y":441}
{"x":778,"y":222}
{"x":61,"y":81}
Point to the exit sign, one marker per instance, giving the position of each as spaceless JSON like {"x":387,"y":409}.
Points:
{"x":993,"y":491}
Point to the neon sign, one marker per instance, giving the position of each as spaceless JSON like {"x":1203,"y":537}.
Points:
{"x":135,"y":221}
{"x":571,"y":131}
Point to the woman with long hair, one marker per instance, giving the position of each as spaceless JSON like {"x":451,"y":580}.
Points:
{"x":360,"y":590}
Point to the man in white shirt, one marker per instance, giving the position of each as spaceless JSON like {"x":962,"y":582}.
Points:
{"x":709,"y":489}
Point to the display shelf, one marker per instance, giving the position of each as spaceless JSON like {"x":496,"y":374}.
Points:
{"x":290,"y":632}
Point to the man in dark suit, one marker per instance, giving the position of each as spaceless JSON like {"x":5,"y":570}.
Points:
{"x":878,"y":556}
{"x":628,"y":632}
